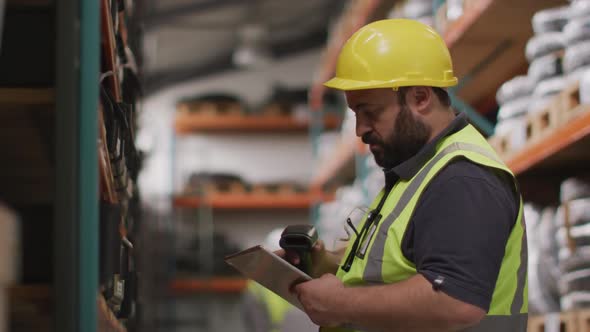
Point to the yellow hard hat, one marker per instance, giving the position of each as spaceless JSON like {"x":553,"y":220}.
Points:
{"x":393,"y":53}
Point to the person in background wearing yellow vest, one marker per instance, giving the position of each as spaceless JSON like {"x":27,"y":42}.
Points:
{"x":264,"y":311}
{"x":444,"y":246}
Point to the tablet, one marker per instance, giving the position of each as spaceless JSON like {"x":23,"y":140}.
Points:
{"x":269,"y":270}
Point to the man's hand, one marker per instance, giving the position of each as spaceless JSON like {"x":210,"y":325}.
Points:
{"x":320,"y":299}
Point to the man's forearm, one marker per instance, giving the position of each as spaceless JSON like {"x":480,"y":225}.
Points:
{"x":410,"y":305}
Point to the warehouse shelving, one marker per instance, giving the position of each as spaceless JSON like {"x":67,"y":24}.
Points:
{"x":487,"y":44}
{"x":252,"y":201}
{"x":341,"y":159}
{"x":27,"y":96}
{"x":485,"y":54}
{"x":29,"y":3}
{"x":187,"y":123}
{"x":564,"y":148}
{"x":208,"y":285}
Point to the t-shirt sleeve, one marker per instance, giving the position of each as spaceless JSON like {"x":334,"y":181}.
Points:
{"x":459,"y":231}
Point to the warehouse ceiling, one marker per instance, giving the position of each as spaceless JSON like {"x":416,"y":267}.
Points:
{"x":185,"y":39}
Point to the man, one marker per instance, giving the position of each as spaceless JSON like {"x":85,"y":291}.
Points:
{"x":444,"y":248}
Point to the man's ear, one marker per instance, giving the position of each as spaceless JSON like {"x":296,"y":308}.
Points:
{"x":419,"y":98}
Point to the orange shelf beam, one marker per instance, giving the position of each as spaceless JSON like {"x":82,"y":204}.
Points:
{"x":214,"y":285}
{"x":463,"y":23}
{"x":543,"y":149}
{"x":27,"y":96}
{"x":229,"y":201}
{"x":188,"y":123}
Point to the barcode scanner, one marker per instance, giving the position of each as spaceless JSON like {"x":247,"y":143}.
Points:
{"x":301,"y":239}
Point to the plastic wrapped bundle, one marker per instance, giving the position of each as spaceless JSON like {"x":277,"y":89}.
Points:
{"x":574,"y":188}
{"x":549,"y":87}
{"x":544,"y":44}
{"x":578,"y":260}
{"x":575,"y":300}
{"x":577,"y":30}
{"x":579,"y":9}
{"x":515,"y":128}
{"x":542,"y":268}
{"x":584,"y":85}
{"x":578,"y":75}
{"x":576,"y":56}
{"x":580,"y":235}
{"x":574,"y":282}
{"x":578,"y":213}
{"x":514,"y":109}
{"x":545,"y":93}
{"x":517,"y":87}
{"x":415,"y":9}
{"x":550,"y":20}
{"x":544,"y":68}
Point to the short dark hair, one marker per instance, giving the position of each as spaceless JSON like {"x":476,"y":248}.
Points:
{"x":441,"y":94}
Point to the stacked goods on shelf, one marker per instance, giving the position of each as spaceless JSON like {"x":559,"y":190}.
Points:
{"x":293,"y":101}
{"x":120,"y":160}
{"x":555,"y":84}
{"x":208,"y":183}
{"x":576,"y":60}
{"x":514,"y":98}
{"x":544,"y":52}
{"x":573,"y":239}
{"x":559,"y":251}
{"x":212,"y":104}
{"x":542,"y":260}
{"x":283,"y":102}
{"x":204,"y":183}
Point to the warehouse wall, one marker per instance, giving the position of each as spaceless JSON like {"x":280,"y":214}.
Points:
{"x":255,"y":157}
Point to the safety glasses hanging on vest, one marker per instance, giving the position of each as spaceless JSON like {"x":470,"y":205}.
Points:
{"x":361,"y":242}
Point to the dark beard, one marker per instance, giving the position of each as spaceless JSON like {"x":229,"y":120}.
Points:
{"x":408,"y":137}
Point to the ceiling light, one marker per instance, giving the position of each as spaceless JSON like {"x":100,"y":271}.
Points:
{"x":252,"y":50}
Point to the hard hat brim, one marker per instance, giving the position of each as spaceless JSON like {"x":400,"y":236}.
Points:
{"x":349,"y":85}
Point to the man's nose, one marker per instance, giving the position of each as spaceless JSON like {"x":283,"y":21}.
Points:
{"x":362,"y":127}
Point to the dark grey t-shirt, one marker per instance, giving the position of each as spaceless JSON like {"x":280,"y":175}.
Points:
{"x":459,"y":231}
{"x":461,"y":223}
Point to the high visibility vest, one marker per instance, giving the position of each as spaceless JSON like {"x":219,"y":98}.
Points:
{"x":383,"y":261}
{"x":276,"y":307}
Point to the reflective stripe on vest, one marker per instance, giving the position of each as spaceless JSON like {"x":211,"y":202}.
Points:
{"x":384,"y":262}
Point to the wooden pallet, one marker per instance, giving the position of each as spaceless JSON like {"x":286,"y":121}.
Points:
{"x":570,"y":101}
{"x":234,"y":187}
{"x":542,"y":122}
{"x":210,"y":108}
{"x":275,"y":109}
{"x":502,"y":144}
{"x":584,"y":320}
{"x":558,"y":322}
{"x":280,"y":189}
